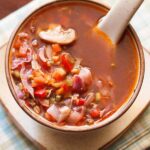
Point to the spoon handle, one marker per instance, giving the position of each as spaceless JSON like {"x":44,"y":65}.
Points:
{"x":118,"y":18}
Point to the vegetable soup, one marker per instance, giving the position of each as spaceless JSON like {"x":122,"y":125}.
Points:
{"x":66,"y":72}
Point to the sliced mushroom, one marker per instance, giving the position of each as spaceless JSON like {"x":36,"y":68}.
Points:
{"x":58,"y":35}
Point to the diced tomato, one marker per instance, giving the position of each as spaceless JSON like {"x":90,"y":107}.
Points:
{"x":39,"y":80}
{"x":95,"y":113}
{"x":80,"y":102}
{"x":67,"y":62}
{"x":49,"y":117}
{"x":40,"y":93}
{"x":65,"y":87}
{"x":56,"y":48}
{"x":77,"y":84}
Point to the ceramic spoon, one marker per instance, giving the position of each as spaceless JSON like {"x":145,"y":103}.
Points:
{"x":117,"y":19}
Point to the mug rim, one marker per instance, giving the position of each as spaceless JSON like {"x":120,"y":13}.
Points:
{"x":119,"y":112}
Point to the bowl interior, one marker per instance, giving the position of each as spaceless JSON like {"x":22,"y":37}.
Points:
{"x":113,"y":117}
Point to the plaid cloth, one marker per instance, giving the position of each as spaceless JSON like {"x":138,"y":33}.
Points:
{"x":137,"y":137}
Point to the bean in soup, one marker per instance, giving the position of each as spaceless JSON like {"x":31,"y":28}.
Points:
{"x":65,"y":72}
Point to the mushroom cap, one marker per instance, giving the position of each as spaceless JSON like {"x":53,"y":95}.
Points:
{"x":58,"y":35}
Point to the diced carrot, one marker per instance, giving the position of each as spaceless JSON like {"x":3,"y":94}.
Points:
{"x":56,"y":48}
{"x":59,"y":74}
{"x":39,"y":80}
{"x":55,"y":58}
{"x":22,"y":54}
{"x":33,"y":84}
{"x":47,"y":78}
{"x":60,"y":91}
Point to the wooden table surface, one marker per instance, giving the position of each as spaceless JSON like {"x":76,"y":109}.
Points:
{"x":8,"y":6}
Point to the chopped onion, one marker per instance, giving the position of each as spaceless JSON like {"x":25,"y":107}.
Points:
{"x":19,"y":93}
{"x":48,"y":52}
{"x":19,"y":61}
{"x":45,"y":102}
{"x":89,"y":98}
{"x":64,"y":113}
{"x":75,"y":116}
{"x":68,"y":102}
{"x":24,"y":78}
{"x":102,"y":112}
{"x":54,"y":112}
{"x":24,"y":48}
{"x":42,"y":54}
{"x":35,"y":65}
{"x":85,"y":75}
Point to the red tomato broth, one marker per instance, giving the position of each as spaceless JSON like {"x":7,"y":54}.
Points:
{"x":117,"y":67}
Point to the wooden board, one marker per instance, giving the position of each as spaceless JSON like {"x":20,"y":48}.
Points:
{"x":45,"y":138}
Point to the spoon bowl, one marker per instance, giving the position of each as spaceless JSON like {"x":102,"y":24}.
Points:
{"x":118,"y":18}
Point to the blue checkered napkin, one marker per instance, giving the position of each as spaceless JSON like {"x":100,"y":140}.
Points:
{"x":137,"y":137}
{"x":10,"y":137}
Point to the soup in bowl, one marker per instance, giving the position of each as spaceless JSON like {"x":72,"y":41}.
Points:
{"x":67,"y":76}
